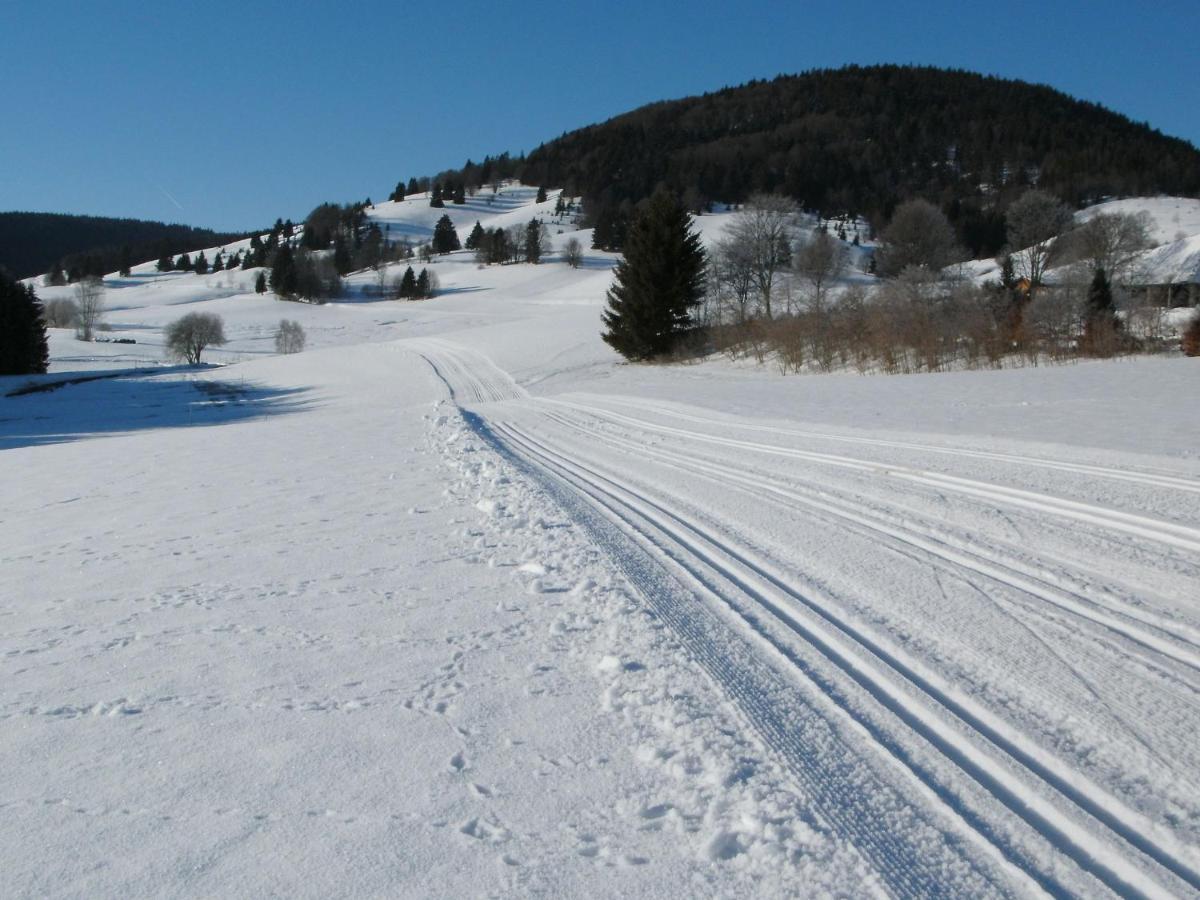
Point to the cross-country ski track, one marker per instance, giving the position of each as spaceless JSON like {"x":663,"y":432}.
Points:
{"x":936,"y":652}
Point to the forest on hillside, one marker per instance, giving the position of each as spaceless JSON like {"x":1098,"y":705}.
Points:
{"x":862,"y":140}
{"x":31,"y":243}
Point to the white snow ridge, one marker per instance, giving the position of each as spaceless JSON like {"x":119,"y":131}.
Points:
{"x":455,"y":604}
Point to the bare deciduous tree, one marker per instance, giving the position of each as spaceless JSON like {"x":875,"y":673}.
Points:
{"x":762,"y":236}
{"x":189,"y":336}
{"x":1034,"y":222}
{"x":60,"y":313}
{"x":919,"y":235}
{"x":819,"y":260}
{"x":89,"y":302}
{"x":573,"y":253}
{"x":1109,"y":241}
{"x":732,"y":277}
{"x":289,"y":337}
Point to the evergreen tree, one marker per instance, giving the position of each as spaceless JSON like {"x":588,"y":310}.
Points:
{"x":1101,"y":324}
{"x":658,"y":283}
{"x":541,"y":195}
{"x":413,"y":187}
{"x":533,"y":242}
{"x":408,"y":284}
{"x":56,"y":276}
{"x":200,"y":267}
{"x":260,"y":283}
{"x":126,"y":264}
{"x":398,"y":193}
{"x":23,"y":347}
{"x":445,"y":238}
{"x":423,"y":284}
{"x":218,"y":263}
{"x":476,"y":237}
{"x":284,"y":279}
{"x":184,"y":263}
{"x":342,"y":260}
{"x":460,"y":194}
{"x":435,"y":199}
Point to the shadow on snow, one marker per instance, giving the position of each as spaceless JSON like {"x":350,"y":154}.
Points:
{"x":123,"y":403}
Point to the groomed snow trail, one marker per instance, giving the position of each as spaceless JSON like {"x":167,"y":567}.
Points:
{"x":977,"y":665}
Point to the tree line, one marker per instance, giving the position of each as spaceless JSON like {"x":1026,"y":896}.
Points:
{"x":774,"y":287}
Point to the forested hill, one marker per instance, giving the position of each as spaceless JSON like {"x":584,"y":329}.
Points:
{"x":30,"y":243}
{"x":862,"y":139}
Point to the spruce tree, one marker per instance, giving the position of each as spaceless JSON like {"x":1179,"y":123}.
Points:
{"x":476,"y":237}
{"x":445,"y":238}
{"x":413,"y":187}
{"x":658,"y":283}
{"x":56,"y":276}
{"x":23,"y":347}
{"x":398,"y":193}
{"x":408,"y":284}
{"x":284,"y":279}
{"x":260,"y":283}
{"x":184,"y":263}
{"x":435,"y":199}
{"x":218,"y":263}
{"x":342,"y":261}
{"x":533,"y":242}
{"x":422,"y":289}
{"x":1101,"y":323}
{"x":460,"y":195}
{"x":126,"y":265}
{"x":200,"y":267}
{"x":541,"y":195}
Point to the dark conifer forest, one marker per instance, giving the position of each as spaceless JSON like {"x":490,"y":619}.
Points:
{"x":30,"y":243}
{"x":861,"y":140}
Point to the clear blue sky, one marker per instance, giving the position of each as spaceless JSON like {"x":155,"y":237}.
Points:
{"x":228,"y":115}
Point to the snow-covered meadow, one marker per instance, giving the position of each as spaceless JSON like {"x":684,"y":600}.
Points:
{"x":455,"y":603}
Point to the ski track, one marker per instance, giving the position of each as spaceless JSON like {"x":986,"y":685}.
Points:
{"x":1151,"y":479}
{"x":995,"y":799}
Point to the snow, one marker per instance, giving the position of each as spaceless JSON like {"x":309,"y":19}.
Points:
{"x":456,"y":603}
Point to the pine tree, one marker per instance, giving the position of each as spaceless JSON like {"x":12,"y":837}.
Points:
{"x":23,"y":347}
{"x":1101,"y":323}
{"x":541,"y":195}
{"x":164,"y":263}
{"x":460,"y":194}
{"x":422,"y":289}
{"x":533,"y":242}
{"x":283,"y":273}
{"x":201,"y":265}
{"x":260,"y":283}
{"x":184,"y":263}
{"x":126,"y":265}
{"x":408,"y":284}
{"x":218,"y":263}
{"x":445,"y":238}
{"x":435,"y":199}
{"x":413,"y":187}
{"x":56,"y":276}
{"x":398,"y":193}
{"x":342,"y":260}
{"x":658,"y":283}
{"x":476,"y":237}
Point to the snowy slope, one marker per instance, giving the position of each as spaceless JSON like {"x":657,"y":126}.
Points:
{"x":1174,"y":230}
{"x":455,"y":603}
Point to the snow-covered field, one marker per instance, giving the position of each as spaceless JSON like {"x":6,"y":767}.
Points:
{"x":454,"y":604}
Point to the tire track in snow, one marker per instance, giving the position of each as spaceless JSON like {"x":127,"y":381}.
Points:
{"x":877,"y":670}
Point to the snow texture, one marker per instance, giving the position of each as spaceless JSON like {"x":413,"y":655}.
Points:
{"x":456,"y":604}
